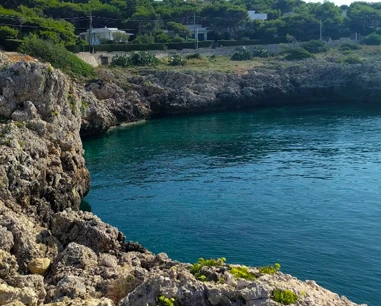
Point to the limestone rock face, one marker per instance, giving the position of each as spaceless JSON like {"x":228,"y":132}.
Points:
{"x":52,"y":254}
{"x":118,"y":98}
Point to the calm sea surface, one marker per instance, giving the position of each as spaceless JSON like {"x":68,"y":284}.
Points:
{"x":298,"y":186}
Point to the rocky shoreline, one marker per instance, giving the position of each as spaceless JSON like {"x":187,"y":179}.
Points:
{"x":52,"y":253}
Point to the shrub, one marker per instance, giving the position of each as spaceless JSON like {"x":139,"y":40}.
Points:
{"x":373,"y":39}
{"x":242,"y":272}
{"x":161,"y":37}
{"x":352,"y":59}
{"x":194,"y":56}
{"x":260,"y":52}
{"x":176,"y":60}
{"x":315,"y":46}
{"x":298,"y":54}
{"x":57,"y":55}
{"x":270,"y":269}
{"x":241,"y":54}
{"x":144,"y":39}
{"x":143,"y":58}
{"x":121,"y":60}
{"x":164,"y":301}
{"x":8,"y":33}
{"x":349,"y":46}
{"x":196,"y":268}
{"x":285,"y":297}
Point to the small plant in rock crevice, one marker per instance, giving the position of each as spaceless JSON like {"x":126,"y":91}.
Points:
{"x":196,"y":268}
{"x":285,"y":297}
{"x":164,"y":301}
{"x":270,"y":269}
{"x":242,"y":272}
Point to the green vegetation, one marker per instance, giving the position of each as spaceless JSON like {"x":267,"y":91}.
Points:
{"x":57,"y":55}
{"x":164,"y":21}
{"x":164,"y":301}
{"x":315,"y":46}
{"x":298,"y":54}
{"x":8,"y":33}
{"x":138,"y":58}
{"x":242,"y":272}
{"x":349,"y":46}
{"x":352,"y":59}
{"x":176,"y":60}
{"x":260,"y":52}
{"x":270,"y":269}
{"x":196,"y":268}
{"x":373,"y":39}
{"x":285,"y":297}
{"x":193,"y":56}
{"x":242,"y":54}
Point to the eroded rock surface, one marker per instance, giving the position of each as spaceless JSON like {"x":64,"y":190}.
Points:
{"x":50,"y":253}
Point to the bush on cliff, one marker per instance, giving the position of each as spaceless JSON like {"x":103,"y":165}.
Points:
{"x":373,"y":39}
{"x":242,"y":54}
{"x":349,"y":46}
{"x":57,"y":55}
{"x":270,"y":269}
{"x":285,"y":297}
{"x":352,"y":59}
{"x":315,"y":46}
{"x":242,"y":272}
{"x":176,"y":60}
{"x":298,"y":54}
{"x":196,"y":268}
{"x":138,"y":58}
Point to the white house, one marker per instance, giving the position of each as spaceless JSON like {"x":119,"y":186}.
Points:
{"x":101,"y":34}
{"x":198,"y":30}
{"x":256,"y":16}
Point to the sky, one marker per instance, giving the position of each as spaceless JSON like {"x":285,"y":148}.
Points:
{"x":341,"y":2}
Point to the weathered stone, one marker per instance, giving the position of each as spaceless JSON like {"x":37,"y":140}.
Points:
{"x":6,"y":239}
{"x":10,"y":294}
{"x":34,"y":281}
{"x":81,"y":302}
{"x":8,"y":265}
{"x":39,"y":265}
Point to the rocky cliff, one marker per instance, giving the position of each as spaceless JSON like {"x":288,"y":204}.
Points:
{"x":118,"y":97}
{"x":51,"y":253}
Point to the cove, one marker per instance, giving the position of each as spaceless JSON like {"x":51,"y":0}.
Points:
{"x":299,"y":185}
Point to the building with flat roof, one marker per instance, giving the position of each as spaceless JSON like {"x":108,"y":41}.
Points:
{"x":256,"y":16}
{"x":103,"y":34}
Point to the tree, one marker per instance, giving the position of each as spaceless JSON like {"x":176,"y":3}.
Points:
{"x":363,"y":18}
{"x":8,"y":33}
{"x":120,"y":37}
{"x":178,"y":28}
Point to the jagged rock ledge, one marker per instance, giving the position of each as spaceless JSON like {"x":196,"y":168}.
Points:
{"x":51,"y":253}
{"x":118,"y":97}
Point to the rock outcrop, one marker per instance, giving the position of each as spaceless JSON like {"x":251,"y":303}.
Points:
{"x":50,"y":252}
{"x":120,"y":97}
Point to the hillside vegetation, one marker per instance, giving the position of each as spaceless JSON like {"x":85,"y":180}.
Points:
{"x":60,"y":20}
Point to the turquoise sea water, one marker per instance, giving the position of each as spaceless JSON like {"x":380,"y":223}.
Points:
{"x":298,"y":186}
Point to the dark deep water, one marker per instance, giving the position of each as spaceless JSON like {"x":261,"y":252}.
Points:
{"x":298,"y":186}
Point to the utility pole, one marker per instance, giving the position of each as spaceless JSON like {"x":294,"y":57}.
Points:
{"x":321,"y":30}
{"x":91,"y":32}
{"x":194,"y":29}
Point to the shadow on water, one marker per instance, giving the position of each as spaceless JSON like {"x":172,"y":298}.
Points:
{"x":85,"y":206}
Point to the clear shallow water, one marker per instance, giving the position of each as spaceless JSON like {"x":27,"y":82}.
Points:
{"x":297,"y":186}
